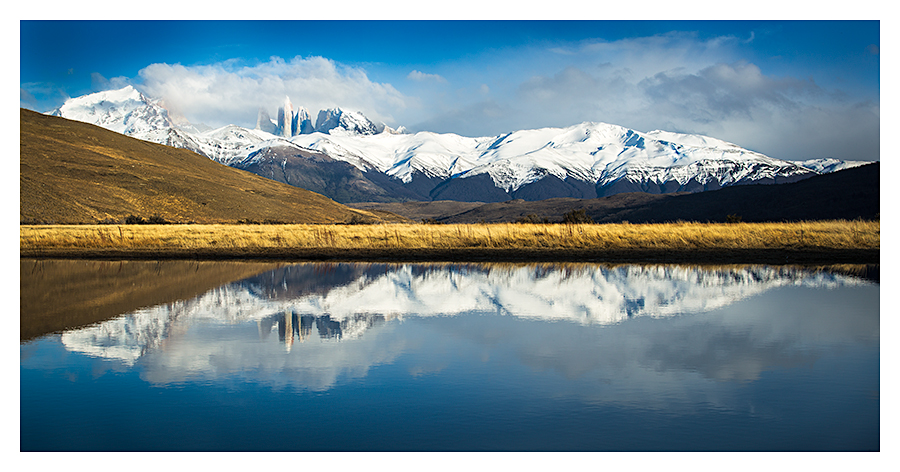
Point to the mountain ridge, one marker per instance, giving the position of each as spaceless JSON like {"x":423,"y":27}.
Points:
{"x":586,"y":160}
{"x":846,"y":194}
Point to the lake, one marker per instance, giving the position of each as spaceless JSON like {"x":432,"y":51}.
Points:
{"x":230,"y":356}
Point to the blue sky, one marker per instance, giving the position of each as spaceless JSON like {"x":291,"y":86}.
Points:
{"x":790,"y":89}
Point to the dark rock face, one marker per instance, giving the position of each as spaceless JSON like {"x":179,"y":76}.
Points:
{"x":778,"y":180}
{"x":341,"y":181}
{"x":624,"y":185}
{"x":327,"y":120}
{"x":478,"y":188}
{"x":620,"y":186}
{"x":338,"y":180}
{"x":481,"y":188}
{"x":417,"y":189}
{"x":552,"y":186}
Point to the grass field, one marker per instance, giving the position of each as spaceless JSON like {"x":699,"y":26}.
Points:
{"x":828,"y":235}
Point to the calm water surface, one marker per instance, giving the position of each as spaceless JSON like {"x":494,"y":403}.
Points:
{"x":366,"y":357}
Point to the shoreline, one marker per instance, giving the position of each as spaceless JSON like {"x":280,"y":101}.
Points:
{"x":774,"y":256}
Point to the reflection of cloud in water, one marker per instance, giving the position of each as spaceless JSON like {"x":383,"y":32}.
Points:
{"x":313,"y":363}
{"x":333,"y":321}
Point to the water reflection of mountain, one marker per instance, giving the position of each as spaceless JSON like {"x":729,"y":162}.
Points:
{"x":292,"y":326}
{"x":333,"y":303}
{"x":300,"y":280}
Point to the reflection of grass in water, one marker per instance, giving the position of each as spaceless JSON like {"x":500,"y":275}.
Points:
{"x":675,"y":236}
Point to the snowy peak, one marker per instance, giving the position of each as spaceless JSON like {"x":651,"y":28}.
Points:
{"x":291,"y":121}
{"x":596,"y":154}
{"x":830,"y":164}
{"x":335,"y":119}
{"x":125,"y":111}
{"x":694,"y":140}
{"x":264,"y":122}
{"x":285,"y":119}
{"x":328,"y":119}
{"x":302,"y":123}
{"x":127,"y":97}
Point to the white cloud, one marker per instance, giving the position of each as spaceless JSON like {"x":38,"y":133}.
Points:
{"x":469,"y":120}
{"x":422,"y":76}
{"x":100,"y":83}
{"x":723,"y":91}
{"x":226,"y":92}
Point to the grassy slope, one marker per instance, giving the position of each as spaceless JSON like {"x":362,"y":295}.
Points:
{"x":72,"y":172}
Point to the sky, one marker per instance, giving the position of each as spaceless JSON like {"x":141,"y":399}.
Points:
{"x":790,"y":89}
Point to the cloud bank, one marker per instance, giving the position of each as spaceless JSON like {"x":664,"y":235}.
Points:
{"x":227,"y":92}
{"x":675,"y":82}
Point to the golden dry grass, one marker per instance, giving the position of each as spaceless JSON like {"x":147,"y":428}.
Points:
{"x":673,"y":236}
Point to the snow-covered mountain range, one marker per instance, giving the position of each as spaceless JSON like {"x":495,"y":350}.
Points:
{"x":349,"y":158}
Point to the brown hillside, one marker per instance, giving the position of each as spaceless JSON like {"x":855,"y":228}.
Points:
{"x":73,"y":172}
